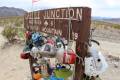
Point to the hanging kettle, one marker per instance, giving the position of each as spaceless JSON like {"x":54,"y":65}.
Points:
{"x":48,"y":50}
{"x":69,"y":57}
{"x":66,"y":56}
{"x":96,"y":63}
{"x":28,"y":35}
{"x":24,"y":55}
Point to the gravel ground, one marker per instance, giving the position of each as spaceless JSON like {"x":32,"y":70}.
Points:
{"x":110,"y":35}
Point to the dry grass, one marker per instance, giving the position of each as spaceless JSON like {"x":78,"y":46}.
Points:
{"x":16,"y":22}
{"x":105,"y":25}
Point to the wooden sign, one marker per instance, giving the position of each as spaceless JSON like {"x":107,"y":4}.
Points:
{"x":56,"y":21}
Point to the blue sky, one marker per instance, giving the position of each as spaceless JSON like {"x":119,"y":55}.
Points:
{"x":103,"y":8}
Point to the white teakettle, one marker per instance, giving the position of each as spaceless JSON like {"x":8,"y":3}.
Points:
{"x":46,"y":50}
{"x":96,"y":63}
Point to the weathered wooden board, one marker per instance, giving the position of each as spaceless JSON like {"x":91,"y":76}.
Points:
{"x":56,"y":21}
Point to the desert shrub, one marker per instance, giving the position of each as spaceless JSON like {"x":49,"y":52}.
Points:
{"x":16,"y":21}
{"x":17,"y":24}
{"x":9,"y":32}
{"x":116,"y":26}
{"x":20,"y":33}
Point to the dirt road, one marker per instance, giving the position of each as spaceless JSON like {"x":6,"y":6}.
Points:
{"x":2,"y":39}
{"x":11,"y":66}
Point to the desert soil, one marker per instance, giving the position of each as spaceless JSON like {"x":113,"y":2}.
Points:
{"x":14,"y":68}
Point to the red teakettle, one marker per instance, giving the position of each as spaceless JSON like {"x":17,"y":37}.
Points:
{"x":24,"y":55}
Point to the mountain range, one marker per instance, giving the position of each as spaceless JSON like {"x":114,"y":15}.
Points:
{"x":107,"y":19}
{"x":112,"y":20}
{"x":11,"y":11}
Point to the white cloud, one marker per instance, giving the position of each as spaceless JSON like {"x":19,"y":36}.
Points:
{"x":42,"y":4}
{"x":106,"y":13}
{"x":112,"y":2}
{"x":60,"y":3}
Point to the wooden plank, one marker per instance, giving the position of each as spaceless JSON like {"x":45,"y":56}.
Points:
{"x":55,"y":21}
{"x":82,"y":42}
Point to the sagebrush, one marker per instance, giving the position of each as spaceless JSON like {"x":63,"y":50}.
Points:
{"x":10,"y":33}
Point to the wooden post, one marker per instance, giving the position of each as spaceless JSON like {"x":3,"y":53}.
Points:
{"x":82,"y":41}
{"x":31,"y":68}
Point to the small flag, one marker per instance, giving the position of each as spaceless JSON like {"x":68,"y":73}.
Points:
{"x":33,"y":1}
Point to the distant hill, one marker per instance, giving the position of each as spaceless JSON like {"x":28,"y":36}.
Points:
{"x":112,"y":20}
{"x":107,"y":19}
{"x":99,"y":18}
{"x":11,"y":11}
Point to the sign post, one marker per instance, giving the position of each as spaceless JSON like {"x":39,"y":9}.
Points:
{"x":56,"y":22}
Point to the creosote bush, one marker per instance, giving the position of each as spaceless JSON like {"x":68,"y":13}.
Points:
{"x":9,"y":32}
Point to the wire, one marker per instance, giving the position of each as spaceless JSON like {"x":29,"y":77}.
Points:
{"x":80,"y":58}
